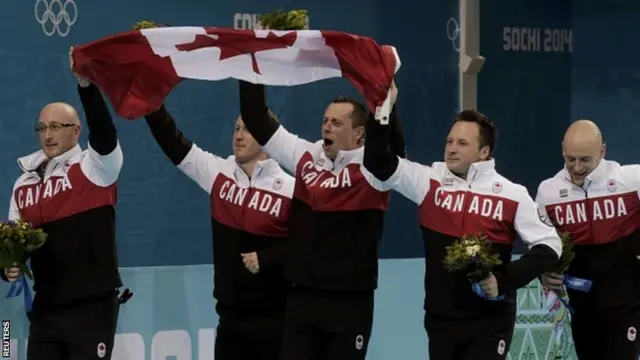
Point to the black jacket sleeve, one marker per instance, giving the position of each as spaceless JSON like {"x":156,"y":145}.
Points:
{"x":255,"y":112}
{"x":397,"y":142}
{"x":379,"y":157}
{"x":273,"y":255}
{"x":538,"y":260}
{"x":3,"y":276}
{"x":171,"y":140}
{"x":542,"y":240}
{"x":102,"y":133}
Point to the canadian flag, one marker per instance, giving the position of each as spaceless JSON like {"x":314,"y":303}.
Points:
{"x":138,"y":69}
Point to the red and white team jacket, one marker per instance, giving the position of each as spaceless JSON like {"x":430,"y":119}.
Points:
{"x":74,"y":204}
{"x":248,"y":214}
{"x":602,"y":217}
{"x":451,"y":207}
{"x":337,"y":217}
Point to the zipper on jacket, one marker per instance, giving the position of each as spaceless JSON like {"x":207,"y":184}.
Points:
{"x":587,"y":207}
{"x":465,"y":202}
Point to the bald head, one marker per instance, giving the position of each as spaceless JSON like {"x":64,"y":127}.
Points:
{"x":582,"y":149}
{"x":59,"y":112}
{"x":584,"y":133}
{"x":58,"y":128}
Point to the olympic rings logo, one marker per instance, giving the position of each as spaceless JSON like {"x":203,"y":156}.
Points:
{"x":56,"y":16}
{"x":453,"y":33}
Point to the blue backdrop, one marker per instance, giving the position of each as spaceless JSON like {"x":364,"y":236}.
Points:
{"x":605,"y":79}
{"x":158,"y":207}
{"x":163,"y":219}
{"x":548,"y":63}
{"x":525,"y":85}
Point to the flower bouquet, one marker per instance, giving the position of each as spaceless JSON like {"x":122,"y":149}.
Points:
{"x":563,"y":264}
{"x":17,"y":240}
{"x":560,"y":309}
{"x":277,"y":20}
{"x":473,"y":255}
{"x":144,"y":24}
{"x":285,"y":20}
{"x":567,"y":253}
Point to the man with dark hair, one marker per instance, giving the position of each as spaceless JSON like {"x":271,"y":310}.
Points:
{"x":335,"y":228}
{"x":596,"y":202}
{"x":71,"y":194}
{"x":466,"y":196}
{"x":359,"y":114}
{"x":250,"y":201}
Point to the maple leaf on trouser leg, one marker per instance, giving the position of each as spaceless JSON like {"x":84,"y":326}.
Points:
{"x":138,"y":69}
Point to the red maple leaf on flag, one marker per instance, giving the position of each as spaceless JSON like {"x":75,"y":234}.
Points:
{"x":239,"y":42}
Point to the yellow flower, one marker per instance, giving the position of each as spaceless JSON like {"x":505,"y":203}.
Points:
{"x":472,"y":250}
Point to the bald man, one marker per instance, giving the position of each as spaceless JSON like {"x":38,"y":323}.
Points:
{"x":596,"y":202}
{"x":71,"y":193}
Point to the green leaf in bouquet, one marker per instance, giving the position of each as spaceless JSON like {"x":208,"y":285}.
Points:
{"x":567,"y":256}
{"x":6,"y":260}
{"x":25,"y":270}
{"x":36,"y":239}
{"x":18,"y":253}
{"x":471,"y":253}
{"x":9,"y":246}
{"x":144,"y":24}
{"x":284,"y":20}
{"x":31,"y":247}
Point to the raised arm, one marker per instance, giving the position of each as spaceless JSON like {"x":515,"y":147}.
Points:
{"x":397,"y":142}
{"x":545,"y":247}
{"x":384,"y":169}
{"x":103,"y":161}
{"x":281,"y":145}
{"x":201,"y":166}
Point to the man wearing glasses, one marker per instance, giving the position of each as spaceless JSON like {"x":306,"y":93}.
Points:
{"x":71,"y":193}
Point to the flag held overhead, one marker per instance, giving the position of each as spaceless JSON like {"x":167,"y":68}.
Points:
{"x":139,"y":68}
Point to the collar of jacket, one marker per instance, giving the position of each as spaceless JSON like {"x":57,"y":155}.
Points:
{"x":598,"y":174}
{"x":343,"y":158}
{"x":477,"y":170}
{"x":262,"y":168}
{"x":30,"y":163}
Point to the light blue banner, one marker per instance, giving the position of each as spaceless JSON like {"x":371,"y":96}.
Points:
{"x":172,"y":314}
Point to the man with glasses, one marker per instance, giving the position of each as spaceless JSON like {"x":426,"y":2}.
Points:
{"x":71,"y":193}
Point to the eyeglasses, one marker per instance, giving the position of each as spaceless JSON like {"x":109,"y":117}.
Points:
{"x":54,"y":127}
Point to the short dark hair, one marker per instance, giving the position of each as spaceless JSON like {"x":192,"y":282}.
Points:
{"x":272,"y":116}
{"x":487,"y":130}
{"x":359,"y":114}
